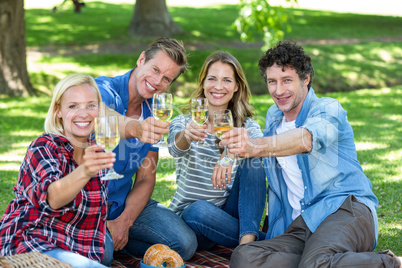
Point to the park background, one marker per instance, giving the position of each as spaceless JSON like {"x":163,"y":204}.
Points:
{"x":356,"y":48}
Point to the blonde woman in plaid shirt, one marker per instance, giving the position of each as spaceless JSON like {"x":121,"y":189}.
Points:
{"x":60,"y":204}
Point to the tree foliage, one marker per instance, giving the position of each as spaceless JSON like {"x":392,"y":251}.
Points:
{"x":270,"y":20}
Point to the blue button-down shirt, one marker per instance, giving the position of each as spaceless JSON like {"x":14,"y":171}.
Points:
{"x":130,"y":152}
{"x":330,"y":171}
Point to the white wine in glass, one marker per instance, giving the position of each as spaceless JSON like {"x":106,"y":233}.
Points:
{"x":199,"y":113}
{"x":223,"y":122}
{"x":107,"y":134}
{"x":162,"y":109}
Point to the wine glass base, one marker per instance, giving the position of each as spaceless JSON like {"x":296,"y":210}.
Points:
{"x":112,"y":176}
{"x":225,"y":161}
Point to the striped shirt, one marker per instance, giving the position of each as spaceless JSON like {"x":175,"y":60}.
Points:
{"x":195,"y":166}
{"x":30,"y":224}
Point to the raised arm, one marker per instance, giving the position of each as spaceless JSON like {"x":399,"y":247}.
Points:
{"x":147,"y":131}
{"x":292,"y":142}
{"x":64,"y":190}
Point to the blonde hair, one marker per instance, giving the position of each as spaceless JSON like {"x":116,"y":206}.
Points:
{"x":239,"y":104}
{"x":173,"y":48}
{"x":54,"y":124}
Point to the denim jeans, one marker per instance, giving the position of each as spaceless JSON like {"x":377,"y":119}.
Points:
{"x":74,"y":259}
{"x":240,"y":215}
{"x":109,"y":250}
{"x":157,"y":224}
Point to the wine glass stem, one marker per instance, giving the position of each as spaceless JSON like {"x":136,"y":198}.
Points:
{"x":162,"y":138}
{"x":226,"y":151}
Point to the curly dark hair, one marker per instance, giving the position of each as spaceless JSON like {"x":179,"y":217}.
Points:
{"x":288,"y":55}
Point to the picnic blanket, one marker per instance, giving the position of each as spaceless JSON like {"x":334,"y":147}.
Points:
{"x":216,"y":257}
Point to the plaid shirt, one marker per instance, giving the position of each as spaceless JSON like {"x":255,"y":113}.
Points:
{"x":30,"y":224}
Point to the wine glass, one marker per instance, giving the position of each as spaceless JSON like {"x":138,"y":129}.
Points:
{"x":107,"y":134}
{"x":223,"y":122}
{"x":162,"y":109}
{"x":199,"y":113}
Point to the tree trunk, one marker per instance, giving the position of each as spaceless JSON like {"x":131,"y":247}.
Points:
{"x":152,"y":19}
{"x":14,"y":79}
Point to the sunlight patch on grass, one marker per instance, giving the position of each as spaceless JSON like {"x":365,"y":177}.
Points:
{"x":356,"y":57}
{"x":11,"y":157}
{"x":360,"y":146}
{"x":394,"y":117}
{"x":57,"y":69}
{"x":393,"y":155}
{"x":384,"y":55}
{"x":351,"y":75}
{"x":389,"y":228}
{"x":24,"y":133}
{"x":196,"y":33}
{"x":357,"y":123}
{"x":10,"y":166}
{"x":339,"y":57}
{"x":370,"y":166}
{"x":169,"y":178}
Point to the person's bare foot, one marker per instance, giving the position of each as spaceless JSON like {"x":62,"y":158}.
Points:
{"x":247,"y":239}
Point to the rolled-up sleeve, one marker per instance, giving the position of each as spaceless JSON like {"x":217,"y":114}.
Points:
{"x":326,"y":124}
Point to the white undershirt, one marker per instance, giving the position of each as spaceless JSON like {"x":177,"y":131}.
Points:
{"x":291,"y":172}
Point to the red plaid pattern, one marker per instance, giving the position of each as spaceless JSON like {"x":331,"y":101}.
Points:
{"x":30,"y":224}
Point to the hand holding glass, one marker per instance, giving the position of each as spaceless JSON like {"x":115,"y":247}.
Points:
{"x":162,"y":109}
{"x":199,"y":113}
{"x":223,"y":122}
{"x":107,"y":134}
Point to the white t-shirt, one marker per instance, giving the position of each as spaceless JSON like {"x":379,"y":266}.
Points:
{"x":291,"y":172}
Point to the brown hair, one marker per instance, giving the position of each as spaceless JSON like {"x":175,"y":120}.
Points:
{"x":239,"y":104}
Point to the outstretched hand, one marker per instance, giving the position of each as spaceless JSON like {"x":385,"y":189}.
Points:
{"x":150,"y":130}
{"x":239,"y":143}
{"x":194,"y":132}
{"x":95,"y":159}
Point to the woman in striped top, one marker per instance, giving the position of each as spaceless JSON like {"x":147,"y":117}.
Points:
{"x":222,"y":204}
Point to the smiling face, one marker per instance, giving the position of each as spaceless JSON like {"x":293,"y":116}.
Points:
{"x":77,"y":110}
{"x":287,"y":90}
{"x":220,"y":85}
{"x":153,"y":76}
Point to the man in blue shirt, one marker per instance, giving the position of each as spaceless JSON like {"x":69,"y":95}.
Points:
{"x":135,"y":221}
{"x":321,"y":209}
